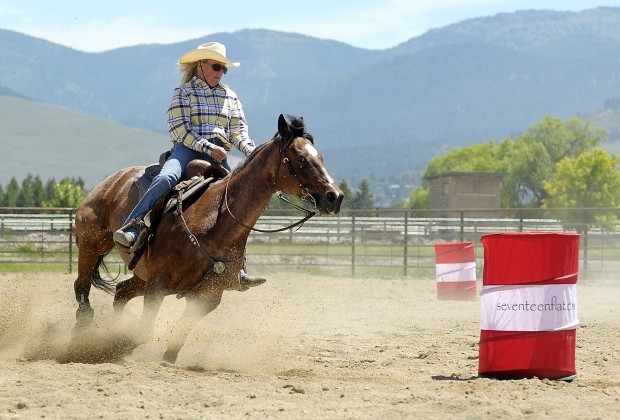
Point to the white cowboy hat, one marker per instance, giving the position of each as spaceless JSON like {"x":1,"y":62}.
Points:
{"x":208,"y":51}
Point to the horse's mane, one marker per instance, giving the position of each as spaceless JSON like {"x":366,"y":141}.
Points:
{"x":297,"y":126}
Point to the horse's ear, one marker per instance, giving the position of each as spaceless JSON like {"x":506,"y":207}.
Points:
{"x":283,"y":128}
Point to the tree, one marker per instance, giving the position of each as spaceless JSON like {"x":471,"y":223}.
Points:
{"x":39,"y":194}
{"x":527,"y":161}
{"x":566,"y":139}
{"x":536,"y":152}
{"x":348,"y":194}
{"x":26,"y":193}
{"x":12,"y":193}
{"x":589,"y":180}
{"x":363,"y":197}
{"x":66,"y":194}
{"x":418,"y":199}
{"x":49,"y":189}
{"x":79,"y":182}
{"x":529,"y":165}
{"x":485,"y":157}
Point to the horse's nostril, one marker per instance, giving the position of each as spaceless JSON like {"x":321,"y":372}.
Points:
{"x":331,"y":196}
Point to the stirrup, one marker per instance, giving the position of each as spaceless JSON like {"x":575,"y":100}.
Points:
{"x":136,"y":223}
{"x":141,"y":240}
{"x":142,"y":228}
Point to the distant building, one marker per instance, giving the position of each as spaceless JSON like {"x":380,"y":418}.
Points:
{"x":465,"y":190}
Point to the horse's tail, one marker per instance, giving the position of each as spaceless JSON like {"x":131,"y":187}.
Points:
{"x":107,"y":285}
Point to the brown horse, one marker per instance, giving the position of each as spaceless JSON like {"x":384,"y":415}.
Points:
{"x":196,"y":253}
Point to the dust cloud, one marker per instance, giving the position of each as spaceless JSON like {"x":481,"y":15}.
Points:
{"x":297,"y":347}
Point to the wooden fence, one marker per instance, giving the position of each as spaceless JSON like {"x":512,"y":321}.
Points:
{"x":385,"y":243}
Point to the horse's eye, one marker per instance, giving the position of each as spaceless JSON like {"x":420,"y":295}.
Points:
{"x":300,"y":159}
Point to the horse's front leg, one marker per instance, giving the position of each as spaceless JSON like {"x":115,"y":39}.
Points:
{"x":84,"y":314}
{"x":94,"y":244}
{"x":197,"y":307}
{"x":88,"y":263}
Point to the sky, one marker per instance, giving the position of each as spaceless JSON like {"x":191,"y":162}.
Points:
{"x":95,"y":26}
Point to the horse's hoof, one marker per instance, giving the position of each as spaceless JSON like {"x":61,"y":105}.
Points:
{"x":166,"y":364}
{"x":170,"y":356}
{"x":84,"y":315}
{"x":118,"y":307}
{"x":83,"y":319}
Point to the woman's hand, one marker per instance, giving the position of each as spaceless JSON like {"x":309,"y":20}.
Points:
{"x":218,"y":153}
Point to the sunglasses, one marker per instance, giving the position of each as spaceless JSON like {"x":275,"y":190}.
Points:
{"x":218,"y":67}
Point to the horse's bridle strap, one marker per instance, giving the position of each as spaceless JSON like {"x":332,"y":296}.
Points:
{"x":309,"y":213}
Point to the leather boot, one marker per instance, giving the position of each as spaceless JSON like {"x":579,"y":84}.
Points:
{"x":129,"y":234}
{"x":126,"y":238}
{"x":250,"y":281}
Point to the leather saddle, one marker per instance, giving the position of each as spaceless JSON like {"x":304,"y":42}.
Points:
{"x":196,"y":168}
{"x":199,"y":174}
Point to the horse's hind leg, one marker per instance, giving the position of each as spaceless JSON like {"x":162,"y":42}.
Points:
{"x":152,"y":302}
{"x":127,"y":290}
{"x":197,"y":308}
{"x":134,"y":287}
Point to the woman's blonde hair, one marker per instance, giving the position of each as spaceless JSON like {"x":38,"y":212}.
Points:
{"x":189,"y":71}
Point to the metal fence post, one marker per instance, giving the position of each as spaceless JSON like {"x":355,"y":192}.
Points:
{"x":406,"y":245}
{"x":353,"y":245}
{"x":70,"y":241}
{"x":585,"y":244}
{"x":462,"y":226}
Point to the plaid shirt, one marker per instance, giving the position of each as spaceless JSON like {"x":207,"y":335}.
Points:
{"x":200,"y":116}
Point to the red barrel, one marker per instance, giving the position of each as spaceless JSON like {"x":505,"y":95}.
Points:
{"x":455,"y":267}
{"x":528,"y":305}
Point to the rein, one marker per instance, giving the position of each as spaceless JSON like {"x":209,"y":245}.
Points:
{"x":304,"y":190}
{"x":220,"y":266}
{"x":217,"y":266}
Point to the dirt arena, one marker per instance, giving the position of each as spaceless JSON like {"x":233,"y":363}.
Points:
{"x":297,"y":347}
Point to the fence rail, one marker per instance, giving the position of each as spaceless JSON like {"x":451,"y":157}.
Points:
{"x":33,"y":235}
{"x":394,"y":242}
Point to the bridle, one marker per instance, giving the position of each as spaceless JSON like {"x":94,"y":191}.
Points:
{"x":219,"y":267}
{"x":305,"y":191}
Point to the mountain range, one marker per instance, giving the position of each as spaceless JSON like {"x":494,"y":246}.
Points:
{"x":373,"y":113}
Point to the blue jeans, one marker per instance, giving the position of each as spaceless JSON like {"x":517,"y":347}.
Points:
{"x":170,"y":174}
